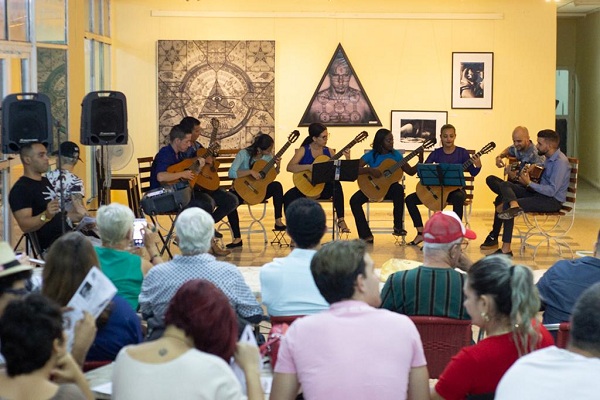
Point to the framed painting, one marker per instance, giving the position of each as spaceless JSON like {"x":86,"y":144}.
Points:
{"x":472,"y":80}
{"x":411,"y":128}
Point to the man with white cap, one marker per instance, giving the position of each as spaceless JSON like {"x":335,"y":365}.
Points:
{"x":434,"y":288}
{"x":72,"y":186}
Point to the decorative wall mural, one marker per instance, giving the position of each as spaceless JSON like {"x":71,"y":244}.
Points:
{"x":340,"y":99}
{"x":232,"y":81}
{"x":52,"y":81}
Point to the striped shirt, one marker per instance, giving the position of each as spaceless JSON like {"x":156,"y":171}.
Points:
{"x":426,"y":291}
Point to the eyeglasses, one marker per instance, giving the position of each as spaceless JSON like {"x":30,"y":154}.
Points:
{"x":464,"y":245}
{"x":17,"y":292}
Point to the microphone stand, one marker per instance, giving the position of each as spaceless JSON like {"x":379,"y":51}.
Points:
{"x":63,"y":214}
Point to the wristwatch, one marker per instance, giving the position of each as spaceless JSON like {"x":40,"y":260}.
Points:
{"x":44,"y":217}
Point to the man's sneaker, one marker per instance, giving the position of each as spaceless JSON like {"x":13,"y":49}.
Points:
{"x":491,"y":242}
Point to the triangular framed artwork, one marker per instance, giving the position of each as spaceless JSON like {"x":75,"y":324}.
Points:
{"x":340,"y":99}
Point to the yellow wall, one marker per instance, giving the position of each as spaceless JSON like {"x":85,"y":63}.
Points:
{"x":403,"y":64}
{"x":588,"y":77}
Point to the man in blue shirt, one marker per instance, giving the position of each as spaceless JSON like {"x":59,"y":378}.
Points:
{"x":525,"y":152}
{"x":563,"y":283}
{"x":527,"y":196}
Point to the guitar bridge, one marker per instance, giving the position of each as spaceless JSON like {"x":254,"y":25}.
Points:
{"x":375,"y":185}
{"x":249,"y":186}
{"x":435,"y":196}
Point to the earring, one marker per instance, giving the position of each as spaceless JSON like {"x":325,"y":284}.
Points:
{"x":485,"y":317}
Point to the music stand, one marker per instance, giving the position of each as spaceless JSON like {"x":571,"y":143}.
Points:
{"x":441,"y":175}
{"x":332,"y":171}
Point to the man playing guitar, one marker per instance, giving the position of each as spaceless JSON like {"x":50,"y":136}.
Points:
{"x":313,"y":146}
{"x":525,"y":152}
{"x":383,"y":149}
{"x":449,"y":153}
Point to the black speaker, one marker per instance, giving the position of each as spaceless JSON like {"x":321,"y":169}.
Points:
{"x":104,"y":118}
{"x":26,"y":118}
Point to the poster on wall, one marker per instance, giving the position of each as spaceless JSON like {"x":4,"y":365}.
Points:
{"x":232,"y":81}
{"x":472,"y":80}
{"x":412,"y":128}
{"x":340,"y":99}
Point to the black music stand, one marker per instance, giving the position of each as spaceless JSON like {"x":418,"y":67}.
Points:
{"x":332,"y":171}
{"x":441,"y":175}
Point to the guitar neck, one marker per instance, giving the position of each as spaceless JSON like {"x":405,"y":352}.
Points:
{"x":271,"y":163}
{"x":341,"y":152}
{"x":406,"y":159}
{"x":467,"y":164}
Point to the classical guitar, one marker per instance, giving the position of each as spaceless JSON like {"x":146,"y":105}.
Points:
{"x":391,"y":171}
{"x":303,"y":180}
{"x":431,"y":196}
{"x":535,"y":171}
{"x":206,"y":177}
{"x":253,"y":190}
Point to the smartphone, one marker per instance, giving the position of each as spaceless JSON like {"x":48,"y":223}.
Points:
{"x":138,"y":235}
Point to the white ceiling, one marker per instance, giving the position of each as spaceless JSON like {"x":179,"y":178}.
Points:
{"x":576,"y":8}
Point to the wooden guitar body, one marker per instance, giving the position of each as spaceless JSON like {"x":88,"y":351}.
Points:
{"x":207,"y":177}
{"x":376,"y":188}
{"x":253,"y":191}
{"x":303,"y":181}
{"x":430,"y":196}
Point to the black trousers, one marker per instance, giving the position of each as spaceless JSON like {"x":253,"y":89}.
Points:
{"x":224,"y":202}
{"x":395,"y":193}
{"x":327,"y":193}
{"x":529,"y":200}
{"x":456,"y":198}
{"x":274,"y":190}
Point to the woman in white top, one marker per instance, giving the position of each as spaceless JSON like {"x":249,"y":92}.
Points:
{"x":190,"y":360}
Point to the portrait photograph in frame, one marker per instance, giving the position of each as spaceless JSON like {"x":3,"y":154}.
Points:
{"x":472,"y":80}
{"x":412,"y":128}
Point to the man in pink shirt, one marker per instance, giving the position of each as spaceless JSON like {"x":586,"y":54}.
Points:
{"x":353,"y":350}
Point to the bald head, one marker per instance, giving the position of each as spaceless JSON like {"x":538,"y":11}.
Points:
{"x":520,"y":137}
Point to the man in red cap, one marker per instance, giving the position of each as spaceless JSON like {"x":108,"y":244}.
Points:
{"x":434,"y":288}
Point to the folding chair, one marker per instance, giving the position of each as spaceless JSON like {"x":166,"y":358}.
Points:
{"x":562,"y":331}
{"x":32,"y":245}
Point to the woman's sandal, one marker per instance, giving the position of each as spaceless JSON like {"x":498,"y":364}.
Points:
{"x":342,"y":226}
{"x":417,"y":240}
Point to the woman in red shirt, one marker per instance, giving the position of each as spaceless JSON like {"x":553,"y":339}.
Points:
{"x":503,"y":301}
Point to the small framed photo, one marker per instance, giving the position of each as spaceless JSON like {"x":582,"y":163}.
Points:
{"x":411,"y":128}
{"x":472,"y":80}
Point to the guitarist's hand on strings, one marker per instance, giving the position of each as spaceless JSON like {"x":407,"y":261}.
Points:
{"x":208,"y":160}
{"x":524,"y":177}
{"x":187,"y":175}
{"x":477,"y":161}
{"x":255,"y":174}
{"x":374,"y":172}
{"x":347,"y":154}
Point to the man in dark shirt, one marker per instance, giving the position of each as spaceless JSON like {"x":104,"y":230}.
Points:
{"x":33,"y":200}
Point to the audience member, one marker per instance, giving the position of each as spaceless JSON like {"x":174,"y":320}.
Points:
{"x":554,"y":373}
{"x":32,"y":199}
{"x":320,"y":352}
{"x":194,"y":228}
{"x":287,"y":285}
{"x":35,"y":349}
{"x":120,"y":264}
{"x":190,"y":361}
{"x":13,"y":276}
{"x":563,"y":283}
{"x":68,"y":262}
{"x":434,"y":288}
{"x":502,"y":300}
{"x":72,"y":186}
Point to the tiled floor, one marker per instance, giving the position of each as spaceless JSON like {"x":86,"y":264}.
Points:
{"x":581,"y":237}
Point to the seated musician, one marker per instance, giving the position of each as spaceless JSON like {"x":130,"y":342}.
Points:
{"x":449,"y":153}
{"x":313,"y":146}
{"x":260,"y":149}
{"x":172,"y":154}
{"x":525,"y":152}
{"x":383,"y":149}
{"x":528,"y":196}
{"x":32,"y":199}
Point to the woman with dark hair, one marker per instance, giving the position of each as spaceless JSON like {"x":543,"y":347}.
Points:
{"x":190,"y":360}
{"x":503,"y":301}
{"x":35,"y":349}
{"x":383,"y":149}
{"x":260,"y":149}
{"x":313,"y":146}
{"x":69,"y":260}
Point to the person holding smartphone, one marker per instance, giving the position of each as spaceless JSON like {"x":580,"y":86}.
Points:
{"x":120,"y":260}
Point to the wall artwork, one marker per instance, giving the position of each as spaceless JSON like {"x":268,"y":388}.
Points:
{"x":412,"y":128}
{"x":340,"y":99}
{"x":232,"y":81}
{"x":52,"y":81}
{"x":472,"y":80}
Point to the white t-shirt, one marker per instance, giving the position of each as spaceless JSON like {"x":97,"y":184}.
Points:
{"x":193,"y":375}
{"x":551,"y":373}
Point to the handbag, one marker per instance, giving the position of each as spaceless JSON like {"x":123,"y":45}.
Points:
{"x":271,"y":347}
